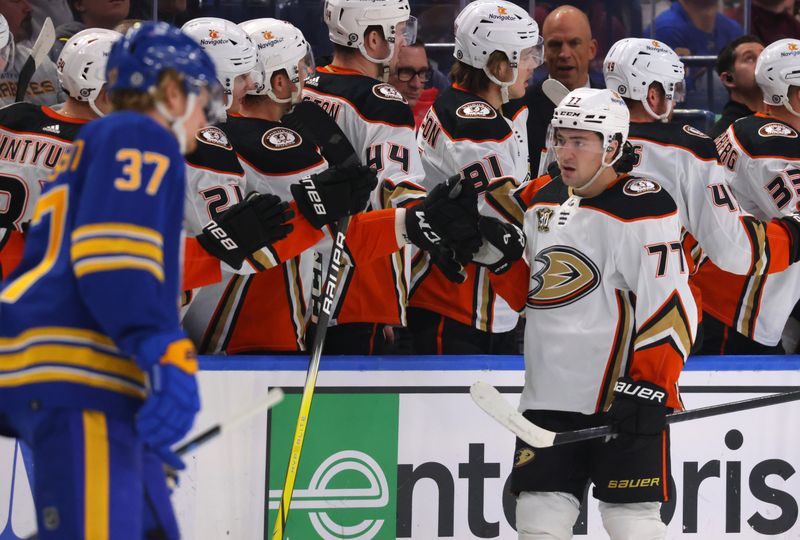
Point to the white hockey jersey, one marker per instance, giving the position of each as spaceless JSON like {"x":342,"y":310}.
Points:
{"x":762,"y":159}
{"x":606,"y":294}
{"x":43,"y":89}
{"x":464,"y":134}
{"x":380,"y":125}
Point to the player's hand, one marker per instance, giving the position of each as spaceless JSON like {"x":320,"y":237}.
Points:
{"x":792,"y":225}
{"x":445,"y":260}
{"x":449,"y":215}
{"x":169,"y":410}
{"x":246,"y":227}
{"x":334,"y":193}
{"x":503,"y":243}
{"x":639,"y":407}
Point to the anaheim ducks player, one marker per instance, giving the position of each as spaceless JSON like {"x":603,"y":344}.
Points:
{"x":649,"y":76}
{"x":761,"y":155}
{"x":379,"y":123}
{"x":473,"y":130}
{"x":33,"y":138}
{"x":232,"y":317}
{"x":606,"y":265}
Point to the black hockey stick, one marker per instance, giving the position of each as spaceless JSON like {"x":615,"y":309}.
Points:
{"x":40,"y":50}
{"x":318,"y":127}
{"x":489,"y":399}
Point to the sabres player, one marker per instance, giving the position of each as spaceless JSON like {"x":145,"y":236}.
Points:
{"x":95,"y":374}
{"x":761,"y":156}
{"x":473,"y":130}
{"x":605,"y":257}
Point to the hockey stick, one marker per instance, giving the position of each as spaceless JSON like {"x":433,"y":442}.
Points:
{"x":44,"y":42}
{"x":272,"y":398}
{"x":554,"y":90}
{"x":489,"y":399}
{"x":317,"y":126}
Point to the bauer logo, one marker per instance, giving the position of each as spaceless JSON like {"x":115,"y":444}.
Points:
{"x":347,"y":482}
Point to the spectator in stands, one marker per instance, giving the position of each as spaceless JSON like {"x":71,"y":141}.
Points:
{"x":696,"y":28}
{"x":736,"y":67}
{"x":410,"y":75}
{"x":90,"y":14}
{"x":770,"y":20}
{"x":569,"y":48}
{"x":19,"y":19}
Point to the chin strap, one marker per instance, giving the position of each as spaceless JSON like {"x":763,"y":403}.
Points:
{"x":660,"y":117}
{"x":790,"y":108}
{"x":504,"y":86}
{"x":383,"y":63}
{"x":176,"y":124}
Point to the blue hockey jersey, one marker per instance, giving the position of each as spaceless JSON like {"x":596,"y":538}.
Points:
{"x":100,"y":273}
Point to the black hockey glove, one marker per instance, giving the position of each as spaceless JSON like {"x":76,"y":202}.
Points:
{"x":449,"y":215}
{"x":503,"y":243}
{"x":445,"y":260}
{"x":332,"y":194}
{"x":246,"y":227}
{"x":627,"y":160}
{"x":639,"y":407}
{"x":792,"y":225}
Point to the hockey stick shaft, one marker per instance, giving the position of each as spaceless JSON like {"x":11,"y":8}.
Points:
{"x":330,"y":285}
{"x":489,"y":399}
{"x":44,"y":42}
{"x":273,"y":397}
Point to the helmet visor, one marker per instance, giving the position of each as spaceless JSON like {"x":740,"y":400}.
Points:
{"x":679,"y":91}
{"x":533,"y":55}
{"x":306,"y":66}
{"x":407,"y":32}
{"x":215,"y":106}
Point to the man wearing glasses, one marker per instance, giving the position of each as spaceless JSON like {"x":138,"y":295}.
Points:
{"x":410,"y":75}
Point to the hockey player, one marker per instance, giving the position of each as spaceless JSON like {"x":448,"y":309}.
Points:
{"x":649,"y":76}
{"x":761,"y":156}
{"x":605,"y":258}
{"x":33,"y":138}
{"x":377,"y":120}
{"x":43,"y":88}
{"x":97,"y":377}
{"x":473,"y":130}
{"x":231,"y":317}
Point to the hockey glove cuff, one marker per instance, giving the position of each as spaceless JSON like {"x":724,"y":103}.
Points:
{"x":792,"y":225}
{"x":639,"y":407}
{"x":246,"y":227}
{"x":503,"y":243}
{"x":334,"y":193}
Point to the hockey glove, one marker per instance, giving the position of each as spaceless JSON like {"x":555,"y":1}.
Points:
{"x":334,"y":193}
{"x":246,"y":227}
{"x":169,"y":410}
{"x":792,"y":225}
{"x":503,"y":243}
{"x":445,"y":259}
{"x":639,"y":407}
{"x":448,"y":214}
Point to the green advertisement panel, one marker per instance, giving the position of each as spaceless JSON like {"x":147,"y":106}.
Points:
{"x":347,"y":483}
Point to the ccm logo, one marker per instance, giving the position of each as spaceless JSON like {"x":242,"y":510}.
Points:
{"x":313,"y":196}
{"x":642,"y":392}
{"x":219,"y":233}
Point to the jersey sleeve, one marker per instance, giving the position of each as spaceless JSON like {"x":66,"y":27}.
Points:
{"x":651,"y":262}
{"x":392,"y":151}
{"x":126,"y":237}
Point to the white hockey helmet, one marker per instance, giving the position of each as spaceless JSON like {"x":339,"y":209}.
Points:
{"x":81,"y":65}
{"x":228,"y":46}
{"x":484,"y":27}
{"x":6,"y":44}
{"x":348,"y":20}
{"x":281,"y":46}
{"x":777,"y":69}
{"x":633,"y":64}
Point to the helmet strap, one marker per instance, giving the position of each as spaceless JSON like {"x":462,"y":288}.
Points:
{"x":660,"y":117}
{"x":95,"y":108}
{"x":790,"y":108}
{"x":504,"y":86}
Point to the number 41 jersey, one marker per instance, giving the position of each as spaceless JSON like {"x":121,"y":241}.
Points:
{"x":100,"y":274}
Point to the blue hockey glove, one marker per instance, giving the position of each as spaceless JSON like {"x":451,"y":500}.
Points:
{"x":168,"y":412}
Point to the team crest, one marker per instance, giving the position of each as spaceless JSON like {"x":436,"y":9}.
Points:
{"x":389,"y":92}
{"x":639,"y":186}
{"x":543,"y":216}
{"x":523,"y":456}
{"x":564,"y":275}
{"x":281,"y":138}
{"x":214,"y":135}
{"x":476,"y":109}
{"x":696,"y":132}
{"x":776,"y":129}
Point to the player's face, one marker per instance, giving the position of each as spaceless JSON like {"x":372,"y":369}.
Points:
{"x":579,"y":153}
{"x":241,"y":85}
{"x":529,"y":60}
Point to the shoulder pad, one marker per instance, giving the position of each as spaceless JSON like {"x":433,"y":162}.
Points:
{"x":764,"y":136}
{"x":374,"y":101}
{"x":615,"y":201}
{"x":677,"y":135}
{"x":215,"y":152}
{"x":466,"y":116}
